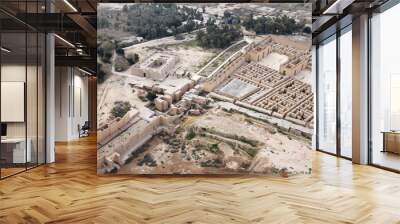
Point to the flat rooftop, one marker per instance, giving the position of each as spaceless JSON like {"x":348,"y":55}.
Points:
{"x":158,"y":61}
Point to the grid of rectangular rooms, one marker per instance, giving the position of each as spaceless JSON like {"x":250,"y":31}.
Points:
{"x":277,"y":93}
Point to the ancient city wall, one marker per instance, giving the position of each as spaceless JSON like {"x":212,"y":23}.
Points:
{"x":221,"y":75}
{"x":115,"y":127}
{"x":121,"y":150}
{"x":283,"y":40}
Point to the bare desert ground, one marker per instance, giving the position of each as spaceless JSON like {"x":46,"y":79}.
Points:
{"x":222,"y":142}
{"x":191,"y":58}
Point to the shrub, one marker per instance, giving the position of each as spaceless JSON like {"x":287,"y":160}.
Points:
{"x":106,"y":51}
{"x":151,"y":96}
{"x":217,"y":163}
{"x":120,"y":109}
{"x":179,"y":37}
{"x":121,"y":64}
{"x":307,"y":29}
{"x":101,"y":75}
{"x":214,"y":148}
{"x":107,"y":57}
{"x":119,"y":51}
{"x":147,"y":160}
{"x":190,"y":135}
{"x":142,"y":98}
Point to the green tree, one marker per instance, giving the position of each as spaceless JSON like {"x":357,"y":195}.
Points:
{"x":119,"y":51}
{"x":107,"y":51}
{"x":190,"y":25}
{"x":277,"y":25}
{"x":307,"y":29}
{"x":125,"y":8}
{"x":151,"y":96}
{"x":218,"y":37}
{"x":101,"y":75}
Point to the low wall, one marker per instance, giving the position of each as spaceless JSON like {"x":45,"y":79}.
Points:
{"x":115,"y":127}
{"x":223,"y":73}
{"x":123,"y":149}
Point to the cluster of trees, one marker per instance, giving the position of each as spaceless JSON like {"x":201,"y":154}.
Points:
{"x":218,"y":36}
{"x":152,"y":21}
{"x":103,"y":23}
{"x":105,"y":51}
{"x":229,"y":18}
{"x":276,"y":25}
{"x":131,"y":58}
{"x":150,"y":96}
{"x":191,"y":13}
{"x":122,"y":61}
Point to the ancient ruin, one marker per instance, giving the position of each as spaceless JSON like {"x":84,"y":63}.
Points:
{"x":242,"y":110}
{"x":156,"y":67}
{"x":274,"y":92}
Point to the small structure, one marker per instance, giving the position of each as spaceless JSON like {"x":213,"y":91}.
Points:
{"x":299,"y":57}
{"x":168,"y":98}
{"x":161,"y":105}
{"x":200,"y":100}
{"x":194,"y":112}
{"x":173,"y":111}
{"x":156,"y":67}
